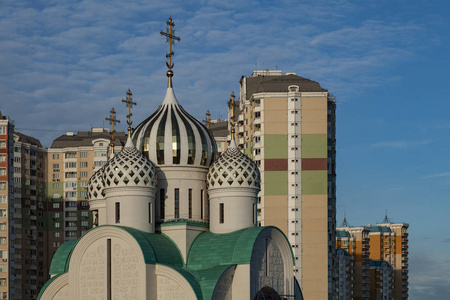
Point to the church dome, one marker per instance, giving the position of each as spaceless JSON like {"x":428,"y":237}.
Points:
{"x":96,"y":186}
{"x":171,"y":136}
{"x":233,"y":169}
{"x":129,"y":168}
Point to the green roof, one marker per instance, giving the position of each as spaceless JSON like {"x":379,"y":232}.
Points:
{"x":61,"y":259}
{"x":46,"y":285}
{"x":212,"y":249}
{"x":156,"y":248}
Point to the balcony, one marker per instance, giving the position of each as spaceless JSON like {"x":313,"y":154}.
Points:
{"x":241,"y":119}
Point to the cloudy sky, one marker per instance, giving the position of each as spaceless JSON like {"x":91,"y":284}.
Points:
{"x":64,"y":64}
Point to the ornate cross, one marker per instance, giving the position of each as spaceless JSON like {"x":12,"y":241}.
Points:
{"x":129,"y":104}
{"x":170,"y":38}
{"x":112,"y":120}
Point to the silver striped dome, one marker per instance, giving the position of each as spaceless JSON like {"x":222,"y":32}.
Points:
{"x":171,"y":136}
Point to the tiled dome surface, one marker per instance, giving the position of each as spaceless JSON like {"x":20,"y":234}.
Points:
{"x":96,"y":186}
{"x":129,"y":168}
{"x":233,"y":169}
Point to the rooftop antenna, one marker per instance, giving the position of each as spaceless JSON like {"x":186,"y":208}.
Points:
{"x":231,"y":105}
{"x":112,"y":120}
{"x":129,"y":103}
{"x":170,"y":38}
{"x":345,"y":222}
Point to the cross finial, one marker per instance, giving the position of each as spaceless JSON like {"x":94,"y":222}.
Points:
{"x":112,"y":120}
{"x":129,"y":103}
{"x":170,"y":38}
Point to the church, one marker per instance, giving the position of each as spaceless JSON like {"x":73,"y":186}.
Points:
{"x":174,"y":221}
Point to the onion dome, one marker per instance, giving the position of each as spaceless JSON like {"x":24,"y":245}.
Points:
{"x":129,"y":168}
{"x":96,"y":186}
{"x":233,"y":169}
{"x":171,"y":136}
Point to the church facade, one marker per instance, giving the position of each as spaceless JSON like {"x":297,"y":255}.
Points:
{"x":173,"y":221}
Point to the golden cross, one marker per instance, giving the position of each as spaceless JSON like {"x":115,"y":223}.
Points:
{"x":112,"y":120}
{"x":231,"y":105}
{"x":170,"y":38}
{"x":129,"y":104}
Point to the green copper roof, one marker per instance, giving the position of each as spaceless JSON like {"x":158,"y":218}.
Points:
{"x":46,"y":285}
{"x":156,"y":248}
{"x":61,"y":259}
{"x":212,"y":249}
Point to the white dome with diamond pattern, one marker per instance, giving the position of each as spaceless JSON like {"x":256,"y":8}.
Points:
{"x":129,"y":168}
{"x":233,"y":169}
{"x":96,"y":186}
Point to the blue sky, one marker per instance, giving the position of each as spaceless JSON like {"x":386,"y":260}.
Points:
{"x":64,"y":64}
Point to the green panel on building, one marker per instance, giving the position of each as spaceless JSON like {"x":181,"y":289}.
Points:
{"x":275,"y":146}
{"x":314,"y":146}
{"x":278,"y":183}
{"x":314,"y":182}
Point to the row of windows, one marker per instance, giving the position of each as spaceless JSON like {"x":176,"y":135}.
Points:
{"x":82,"y":154}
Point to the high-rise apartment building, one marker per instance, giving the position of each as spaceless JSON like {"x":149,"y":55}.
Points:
{"x":355,"y":241}
{"x":286,"y":124}
{"x":389,"y":243}
{"x":72,"y":160}
{"x":29,"y":235}
{"x":6,"y":206}
{"x":384,"y":242}
{"x":345,"y":275}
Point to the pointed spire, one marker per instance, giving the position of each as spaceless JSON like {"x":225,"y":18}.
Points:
{"x":170,"y":38}
{"x":345,"y":222}
{"x":129,"y":103}
{"x":386,"y":220}
{"x":112,"y":120}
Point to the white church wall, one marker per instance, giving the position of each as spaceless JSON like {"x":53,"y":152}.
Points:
{"x":224,"y":286}
{"x":171,"y":285}
{"x":95,"y":259}
{"x":58,"y":290}
{"x":241,"y":282}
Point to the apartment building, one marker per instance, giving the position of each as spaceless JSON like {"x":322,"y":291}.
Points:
{"x":72,"y":160}
{"x":381,"y":280}
{"x":345,"y":275}
{"x":6,"y":207}
{"x":286,"y":124}
{"x":355,"y":241}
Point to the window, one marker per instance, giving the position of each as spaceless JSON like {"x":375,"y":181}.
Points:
{"x":83,"y":174}
{"x":83,"y":154}
{"x":84,"y":223}
{"x":2,"y":157}
{"x":56,"y":185}
{"x":56,"y":244}
{"x":57,"y":224}
{"x":221,"y":213}
{"x":56,"y":234}
{"x":56,"y":205}
{"x":71,"y":155}
{"x":70,"y":165}
{"x":71,"y":184}
{"x":71,"y":214}
{"x":100,"y":154}
{"x":71,"y":174}
{"x":3,"y":185}
{"x":201,"y":204}
{"x":3,"y":268}
{"x":162,"y":204}
{"x":177,"y":203}
{"x":2,"y":144}
{"x":71,"y":203}
{"x":150,"y":213}
{"x":2,"y":171}
{"x":55,"y":176}
{"x":117,"y":212}
{"x":83,"y":194}
{"x":83,"y":164}
{"x":71,"y":194}
{"x":56,"y":196}
{"x":99,"y":163}
{"x":2,"y":130}
{"x":71,"y":223}
{"x":3,"y":226}
{"x":4,"y":254}
{"x":55,"y":156}
{"x":2,"y":198}
{"x":84,"y":213}
{"x":71,"y":234}
{"x":190,"y":203}
{"x":55,"y":166}
{"x":56,"y":215}
{"x":3,"y":213}
{"x":83,"y":183}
